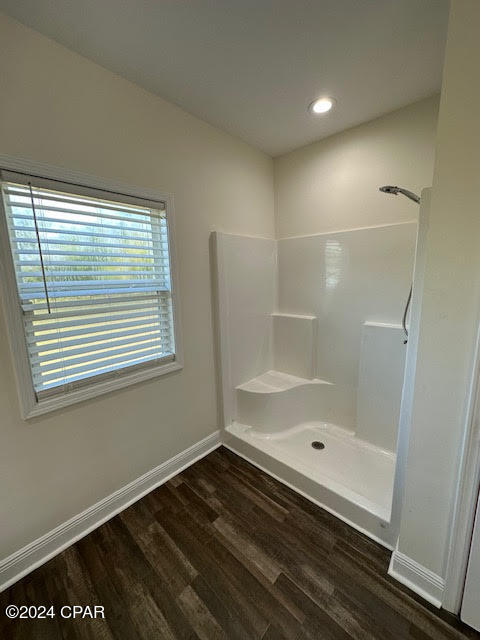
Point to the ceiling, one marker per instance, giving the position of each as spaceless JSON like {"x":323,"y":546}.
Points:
{"x":251,"y":67}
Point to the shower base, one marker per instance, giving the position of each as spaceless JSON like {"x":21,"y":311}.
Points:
{"x":347,"y":476}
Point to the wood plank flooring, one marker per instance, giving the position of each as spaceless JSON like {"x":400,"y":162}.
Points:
{"x":223,"y":551}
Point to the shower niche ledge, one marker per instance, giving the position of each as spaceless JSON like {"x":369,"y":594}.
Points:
{"x":288,"y":393}
{"x":294,"y":337}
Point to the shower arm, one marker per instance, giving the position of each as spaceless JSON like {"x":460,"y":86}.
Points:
{"x":412,"y":196}
{"x":405,"y":192}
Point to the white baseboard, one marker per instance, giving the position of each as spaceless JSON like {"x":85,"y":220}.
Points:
{"x":52,"y":543}
{"x":413,"y":575}
{"x":416,"y":577}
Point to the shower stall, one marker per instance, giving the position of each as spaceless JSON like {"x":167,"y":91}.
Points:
{"x":312,"y":362}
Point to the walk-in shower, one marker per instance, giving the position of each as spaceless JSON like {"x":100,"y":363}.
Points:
{"x":312,"y":361}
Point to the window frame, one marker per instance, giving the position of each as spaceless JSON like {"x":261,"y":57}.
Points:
{"x":85,"y":184}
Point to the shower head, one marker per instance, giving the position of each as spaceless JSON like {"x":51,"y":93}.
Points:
{"x":396,"y":190}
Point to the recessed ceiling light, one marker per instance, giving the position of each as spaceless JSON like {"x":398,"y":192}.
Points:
{"x":322,"y":105}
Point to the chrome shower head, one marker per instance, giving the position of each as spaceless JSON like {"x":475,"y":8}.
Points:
{"x":396,"y":190}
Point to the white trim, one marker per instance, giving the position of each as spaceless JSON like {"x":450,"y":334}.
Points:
{"x":54,"y":172}
{"x":279,"y":314}
{"x":242,"y":235}
{"x":99,"y":388}
{"x":33,"y":555}
{"x":416,"y":577}
{"x":226,"y":397}
{"x":335,"y":231}
{"x":29,"y":406}
{"x":406,"y":404}
{"x":382,"y":325}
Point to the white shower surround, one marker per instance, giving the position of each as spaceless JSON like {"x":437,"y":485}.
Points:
{"x":318,"y":307}
{"x":371,"y":469}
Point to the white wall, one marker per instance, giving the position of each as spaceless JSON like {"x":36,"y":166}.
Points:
{"x":345,"y":279}
{"x":410,"y":361}
{"x":57,"y":107}
{"x":333,"y":184}
{"x":380,"y":382}
{"x":327,"y":286}
{"x":246,"y":290}
{"x":449,"y":310}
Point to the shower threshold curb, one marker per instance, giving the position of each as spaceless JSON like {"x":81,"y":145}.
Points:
{"x":360,"y":518}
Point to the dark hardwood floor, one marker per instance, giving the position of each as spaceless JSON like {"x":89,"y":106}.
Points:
{"x":223,"y":551}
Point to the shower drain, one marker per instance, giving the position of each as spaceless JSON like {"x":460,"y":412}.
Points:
{"x":316,"y":444}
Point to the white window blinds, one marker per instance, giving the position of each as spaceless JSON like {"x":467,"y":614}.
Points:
{"x":93,"y":280}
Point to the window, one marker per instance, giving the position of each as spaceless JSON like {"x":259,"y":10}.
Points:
{"x":93,"y":283}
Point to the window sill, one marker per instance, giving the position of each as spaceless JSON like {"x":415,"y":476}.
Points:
{"x":97,"y":389}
